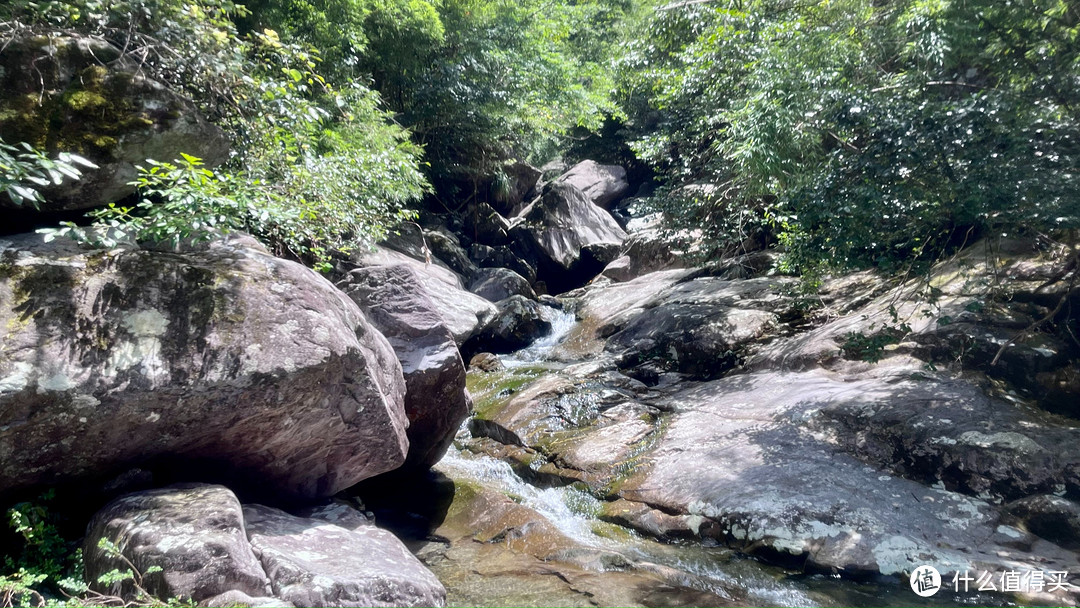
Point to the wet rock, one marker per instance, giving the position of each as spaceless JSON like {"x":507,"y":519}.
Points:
{"x":193,"y":532}
{"x":572,"y":238}
{"x":78,"y":94}
{"x":593,"y":451}
{"x":394,"y":299}
{"x":650,"y":521}
{"x":486,"y":362}
{"x":464,"y":313}
{"x":605,"y":185}
{"x":1054,"y":518}
{"x":224,"y":362}
{"x":499,"y":552}
{"x":496,"y":284}
{"x":758,"y":455}
{"x":519,"y":322}
{"x":512,"y":417}
{"x":315,"y":563}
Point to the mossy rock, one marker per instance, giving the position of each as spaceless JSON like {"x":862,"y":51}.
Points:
{"x":72,"y":94}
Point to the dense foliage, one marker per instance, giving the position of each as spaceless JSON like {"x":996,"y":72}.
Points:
{"x":860,"y":132}
{"x":479,"y":83}
{"x":317,"y":166}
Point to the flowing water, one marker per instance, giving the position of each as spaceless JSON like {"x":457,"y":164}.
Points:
{"x":506,"y":569}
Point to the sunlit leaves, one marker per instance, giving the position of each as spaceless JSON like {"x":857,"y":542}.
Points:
{"x":878,"y":131}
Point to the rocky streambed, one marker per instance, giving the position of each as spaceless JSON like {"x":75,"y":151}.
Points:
{"x":655,"y":435}
{"x":667,"y":444}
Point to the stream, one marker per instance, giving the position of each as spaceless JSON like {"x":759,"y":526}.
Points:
{"x":497,"y":538}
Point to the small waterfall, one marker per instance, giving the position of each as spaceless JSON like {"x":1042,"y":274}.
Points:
{"x":573,"y":512}
{"x":561,"y":324}
{"x":568,"y":509}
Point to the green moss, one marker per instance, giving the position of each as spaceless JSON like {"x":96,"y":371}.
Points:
{"x":88,"y":117}
{"x":465,"y":493}
{"x":491,"y":391}
{"x":82,"y":101}
{"x":624,"y":471}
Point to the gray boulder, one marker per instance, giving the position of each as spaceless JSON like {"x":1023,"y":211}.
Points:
{"x":572,"y":238}
{"x":495,"y":284}
{"x":76,"y":94}
{"x":446,"y":247}
{"x":194,"y":533}
{"x":314,"y":563}
{"x":605,"y":185}
{"x":670,"y":321}
{"x":762,"y":460}
{"x":463,"y":312}
{"x":394,"y":299}
{"x":223,"y":360}
{"x":1052,"y":517}
{"x":502,"y":257}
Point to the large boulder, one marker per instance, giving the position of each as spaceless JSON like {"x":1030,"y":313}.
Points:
{"x":605,"y":185}
{"x":446,"y":247}
{"x":79,"y":94}
{"x":312,"y":562}
{"x":196,"y":542}
{"x":497,"y":284}
{"x":700,"y":327}
{"x":646,"y":250}
{"x":221,"y":361}
{"x":572,"y":238}
{"x":464,"y":313}
{"x":194,"y":533}
{"x":394,"y":300}
{"x":767,"y":461}
{"x":520,"y":321}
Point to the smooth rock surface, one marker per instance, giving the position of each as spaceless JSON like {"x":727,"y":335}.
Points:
{"x":605,"y":185}
{"x":464,"y":313}
{"x":223,"y":360}
{"x":754,"y":455}
{"x":394,"y":299}
{"x":572,"y":238}
{"x":314,"y":563}
{"x":496,"y":284}
{"x":193,"y":532}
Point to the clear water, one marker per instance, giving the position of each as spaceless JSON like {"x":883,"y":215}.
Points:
{"x":561,"y":324}
{"x":717,"y":570}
